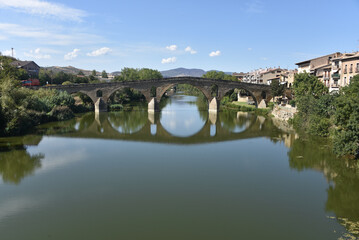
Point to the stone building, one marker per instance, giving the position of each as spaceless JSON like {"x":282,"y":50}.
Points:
{"x":29,"y":66}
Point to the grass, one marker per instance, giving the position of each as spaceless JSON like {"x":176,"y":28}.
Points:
{"x":244,"y":107}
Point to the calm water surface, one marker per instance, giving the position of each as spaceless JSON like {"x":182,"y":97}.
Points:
{"x":177,"y":174}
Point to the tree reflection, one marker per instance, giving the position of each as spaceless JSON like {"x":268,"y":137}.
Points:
{"x":343,"y":194}
{"x":128,"y":122}
{"x":236,"y":121}
{"x":16,"y":164}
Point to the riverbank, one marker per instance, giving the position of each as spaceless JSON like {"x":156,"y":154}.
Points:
{"x":244,"y":107}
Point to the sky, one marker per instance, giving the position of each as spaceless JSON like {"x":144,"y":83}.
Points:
{"x":227,"y":35}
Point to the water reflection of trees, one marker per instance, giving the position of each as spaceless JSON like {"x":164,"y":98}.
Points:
{"x":343,"y":194}
{"x":128,"y":122}
{"x":16,"y":164}
{"x":236,"y":121}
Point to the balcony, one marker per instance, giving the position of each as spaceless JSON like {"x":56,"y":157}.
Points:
{"x":336,"y":76}
{"x":335,"y":85}
{"x":350,"y":70}
{"x":345,"y":71}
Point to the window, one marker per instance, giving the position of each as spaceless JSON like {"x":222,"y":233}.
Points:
{"x":345,"y":80}
{"x":345,"y":68}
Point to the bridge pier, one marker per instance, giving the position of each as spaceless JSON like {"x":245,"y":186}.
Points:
{"x":100,"y":105}
{"x":153,"y":105}
{"x":213,"y":105}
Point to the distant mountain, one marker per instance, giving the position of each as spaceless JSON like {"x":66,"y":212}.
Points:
{"x":69,"y":69}
{"x":179,"y":72}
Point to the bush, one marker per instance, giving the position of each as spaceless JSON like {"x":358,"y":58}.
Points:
{"x":292,"y":103}
{"x":61,"y":113}
{"x":116,"y":107}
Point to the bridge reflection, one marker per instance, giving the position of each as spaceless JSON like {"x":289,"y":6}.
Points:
{"x":146,"y":127}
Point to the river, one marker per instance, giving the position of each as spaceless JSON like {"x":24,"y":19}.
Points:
{"x":179,"y":174}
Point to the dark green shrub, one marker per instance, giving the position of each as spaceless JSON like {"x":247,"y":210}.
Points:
{"x":61,"y":113}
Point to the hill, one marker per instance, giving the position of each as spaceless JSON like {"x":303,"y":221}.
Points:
{"x":178,"y":72}
{"x":69,"y":69}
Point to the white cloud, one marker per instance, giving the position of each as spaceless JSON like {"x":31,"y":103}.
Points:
{"x":8,"y":53}
{"x":99,"y":52}
{"x":172,"y":47}
{"x":264,"y":58}
{"x":215,"y":53}
{"x":169,"y":60}
{"x":37,"y":54}
{"x":44,"y":8}
{"x":255,"y":7}
{"x":46,"y":36}
{"x":250,"y":49}
{"x":190,"y":50}
{"x":72,"y":55}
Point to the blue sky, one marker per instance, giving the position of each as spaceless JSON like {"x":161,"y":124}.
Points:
{"x":225,"y":35}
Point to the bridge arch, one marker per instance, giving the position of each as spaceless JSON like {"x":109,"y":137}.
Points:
{"x":247,"y":91}
{"x":161,"y":90}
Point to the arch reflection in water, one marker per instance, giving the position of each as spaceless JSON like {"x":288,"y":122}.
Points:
{"x":237,"y":122}
{"x":181,"y":116}
{"x":128,"y":122}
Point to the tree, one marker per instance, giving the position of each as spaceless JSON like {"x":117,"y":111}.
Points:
{"x":219,"y":76}
{"x":44,"y":77}
{"x":277,"y":89}
{"x":305,"y":84}
{"x":81,"y":73}
{"x":149,"y":74}
{"x":346,"y":118}
{"x":94,"y":73}
{"x":104,"y":74}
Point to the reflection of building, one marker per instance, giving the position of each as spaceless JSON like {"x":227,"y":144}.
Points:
{"x":29,"y":66}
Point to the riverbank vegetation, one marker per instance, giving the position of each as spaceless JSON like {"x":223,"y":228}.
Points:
{"x":21,"y":109}
{"x":328,"y":115}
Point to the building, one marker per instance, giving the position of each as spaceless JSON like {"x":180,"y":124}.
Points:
{"x":239,"y":76}
{"x":29,"y":66}
{"x":343,"y":69}
{"x":255,"y":76}
{"x":313,"y":65}
{"x":274,"y":74}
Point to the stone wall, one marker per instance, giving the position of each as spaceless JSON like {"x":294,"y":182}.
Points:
{"x":284,"y":112}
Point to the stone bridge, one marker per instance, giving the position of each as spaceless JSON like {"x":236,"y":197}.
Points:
{"x":101,"y":92}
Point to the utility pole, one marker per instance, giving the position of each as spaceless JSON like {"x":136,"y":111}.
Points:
{"x":12,"y":52}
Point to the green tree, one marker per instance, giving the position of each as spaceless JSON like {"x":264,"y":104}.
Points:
{"x":219,"y":75}
{"x":44,"y":77}
{"x":104,"y":74}
{"x":306,"y":84}
{"x":315,"y":106}
{"x":81,"y":73}
{"x":149,"y":74}
{"x":277,"y":89}
{"x":94,"y":73}
{"x":346,"y":119}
